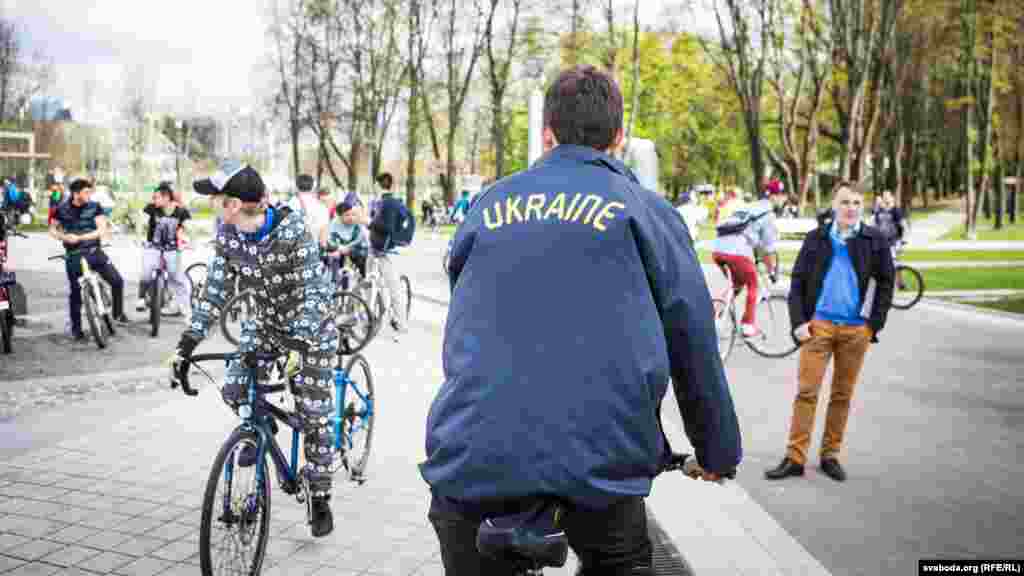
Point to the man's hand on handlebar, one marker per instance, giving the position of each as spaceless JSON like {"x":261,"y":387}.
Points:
{"x":180,"y":363}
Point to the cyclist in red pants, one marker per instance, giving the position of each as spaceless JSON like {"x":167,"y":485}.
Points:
{"x":748,"y":228}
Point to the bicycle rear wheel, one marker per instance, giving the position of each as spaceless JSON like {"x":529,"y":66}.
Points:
{"x":775,"y":337}
{"x":196,"y":274}
{"x":406,"y":291}
{"x":92,"y":316}
{"x":235,"y":520}
{"x":354,"y":322}
{"x":725,"y":326}
{"x":909,"y":288}
{"x":357,"y":417}
{"x":108,"y":314}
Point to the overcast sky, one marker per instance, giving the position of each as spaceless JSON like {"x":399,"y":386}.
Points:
{"x":193,"y":53}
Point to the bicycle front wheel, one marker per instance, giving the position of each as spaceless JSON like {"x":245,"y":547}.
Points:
{"x":92,"y":316}
{"x":108,"y":314}
{"x":357,"y":410}
{"x":725,"y":326}
{"x":909,"y":288}
{"x":235,"y":520}
{"x":354,"y":322}
{"x":774,"y":338}
{"x":156,"y":298}
{"x":406,"y":291}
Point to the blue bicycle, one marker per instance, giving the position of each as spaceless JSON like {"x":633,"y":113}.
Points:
{"x":235,"y":524}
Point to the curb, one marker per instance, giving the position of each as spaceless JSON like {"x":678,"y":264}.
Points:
{"x":944,"y":302}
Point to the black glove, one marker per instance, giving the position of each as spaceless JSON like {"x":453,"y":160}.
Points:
{"x":182,"y":354}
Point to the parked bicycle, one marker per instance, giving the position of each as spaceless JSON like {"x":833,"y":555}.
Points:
{"x":9,"y":287}
{"x":235,"y":520}
{"x":95,"y":297}
{"x":774,"y":334}
{"x":909,"y":283}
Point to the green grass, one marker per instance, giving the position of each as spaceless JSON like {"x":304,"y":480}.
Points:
{"x":962,"y":256}
{"x":1013,"y":304}
{"x":1010,"y":232}
{"x":973,"y":279}
{"x":920,"y":213}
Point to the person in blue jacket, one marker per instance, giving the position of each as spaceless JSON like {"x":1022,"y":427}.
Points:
{"x":576,"y":297}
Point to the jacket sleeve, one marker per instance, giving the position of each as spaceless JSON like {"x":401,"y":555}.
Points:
{"x":885,"y":276}
{"x":801,"y":275}
{"x":684,"y":303}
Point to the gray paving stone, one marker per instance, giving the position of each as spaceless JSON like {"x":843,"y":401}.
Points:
{"x":383,"y":563}
{"x":170,"y":531}
{"x":9,"y":540}
{"x":40,"y":509}
{"x":176,"y":551}
{"x":139,"y":545}
{"x":144,"y":567}
{"x":168,"y":511}
{"x":34,"y":569}
{"x":9,"y":563}
{"x":71,"y":555}
{"x":105,"y":520}
{"x":180,"y":570}
{"x":106,"y":562}
{"x":73,"y":571}
{"x":72,"y":534}
{"x":107,"y":540}
{"x":34,"y":550}
{"x":430,"y":569}
{"x":138,"y":525}
{"x":134,"y":507}
{"x":28,"y":526}
{"x":292,"y":569}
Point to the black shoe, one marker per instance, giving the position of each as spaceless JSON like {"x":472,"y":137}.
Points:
{"x":247,"y":455}
{"x":785,"y":469}
{"x":122,"y":319}
{"x":78,"y":337}
{"x":323,"y":521}
{"x":832,"y":469}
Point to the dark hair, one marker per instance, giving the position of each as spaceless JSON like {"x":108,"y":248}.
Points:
{"x":304,"y":182}
{"x":584,"y":107}
{"x":385,"y":180}
{"x":79,"y":184}
{"x":342,"y":207}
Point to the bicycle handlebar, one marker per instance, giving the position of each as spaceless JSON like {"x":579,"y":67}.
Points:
{"x":179,"y":375}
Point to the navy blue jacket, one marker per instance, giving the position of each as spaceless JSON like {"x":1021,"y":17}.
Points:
{"x":576,"y":295}
{"x":386,"y":220}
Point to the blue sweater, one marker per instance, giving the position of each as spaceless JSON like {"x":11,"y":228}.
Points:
{"x":839,"y":301}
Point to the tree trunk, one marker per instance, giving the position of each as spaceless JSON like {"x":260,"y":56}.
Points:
{"x":498,"y":135}
{"x":295,"y":146}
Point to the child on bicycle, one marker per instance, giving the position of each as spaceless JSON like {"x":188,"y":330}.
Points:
{"x":165,"y":223}
{"x":272,"y":252}
{"x":346,"y":238}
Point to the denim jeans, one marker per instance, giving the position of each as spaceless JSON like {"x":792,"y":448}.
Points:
{"x":609,"y":542}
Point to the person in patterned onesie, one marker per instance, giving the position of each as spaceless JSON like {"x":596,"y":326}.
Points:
{"x":279,"y":259}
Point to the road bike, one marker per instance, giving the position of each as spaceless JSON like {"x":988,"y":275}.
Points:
{"x":10,"y":290}
{"x":95,"y":297}
{"x":528,"y":550}
{"x":235,"y":519}
{"x":774,"y":334}
{"x":909,"y":283}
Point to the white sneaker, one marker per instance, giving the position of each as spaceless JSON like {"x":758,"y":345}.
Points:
{"x":749,"y":330}
{"x":140,"y":305}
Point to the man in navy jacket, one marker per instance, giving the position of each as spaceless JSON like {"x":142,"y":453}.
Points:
{"x":576,"y":296}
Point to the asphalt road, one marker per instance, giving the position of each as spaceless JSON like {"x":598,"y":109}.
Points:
{"x":934,"y":443}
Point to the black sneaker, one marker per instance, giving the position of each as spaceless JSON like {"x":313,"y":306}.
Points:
{"x":322,"y":523}
{"x":122,"y":319}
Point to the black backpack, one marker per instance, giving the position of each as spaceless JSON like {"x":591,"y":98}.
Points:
{"x":737,"y":222}
{"x":402,"y":235}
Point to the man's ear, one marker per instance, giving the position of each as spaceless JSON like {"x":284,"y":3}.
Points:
{"x":548,"y":139}
{"x":616,"y":146}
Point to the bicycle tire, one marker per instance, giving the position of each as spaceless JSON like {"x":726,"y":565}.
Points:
{"x":7,"y":330}
{"x":156,"y":298}
{"x":354,"y":322}
{"x":89,"y":302}
{"x":358,"y":418}
{"x":914,"y":294}
{"x":378,"y":310}
{"x":725,"y":327}
{"x":777,"y":341}
{"x":236,"y":306}
{"x":404,"y":280}
{"x":261,"y":500}
{"x":196,"y":274}
{"x":108,"y":315}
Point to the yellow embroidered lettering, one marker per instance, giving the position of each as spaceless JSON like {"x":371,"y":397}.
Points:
{"x":534,"y":203}
{"x":498,"y":220}
{"x":594,"y":200}
{"x":572,"y":206}
{"x":605,"y":214}
{"x":557,"y":207}
{"x":512,"y":207}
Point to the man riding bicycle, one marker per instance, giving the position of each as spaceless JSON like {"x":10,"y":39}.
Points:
{"x":81,"y":225}
{"x":165,"y":226}
{"x":272,"y":253}
{"x":745,"y":230}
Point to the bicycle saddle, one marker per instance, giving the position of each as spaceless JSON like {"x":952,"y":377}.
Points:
{"x":531,"y":539}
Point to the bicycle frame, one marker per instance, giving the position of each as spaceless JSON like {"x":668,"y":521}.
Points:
{"x":255,"y":418}
{"x":88,"y":281}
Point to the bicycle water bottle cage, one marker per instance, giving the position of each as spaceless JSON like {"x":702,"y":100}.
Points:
{"x":530,"y":540}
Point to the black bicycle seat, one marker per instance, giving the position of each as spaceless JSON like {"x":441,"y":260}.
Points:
{"x":530,"y":539}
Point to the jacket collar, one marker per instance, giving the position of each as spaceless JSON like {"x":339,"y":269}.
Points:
{"x":585,"y":155}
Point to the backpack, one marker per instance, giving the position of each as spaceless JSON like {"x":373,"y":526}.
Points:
{"x":402,"y":235}
{"x":738,"y":221}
